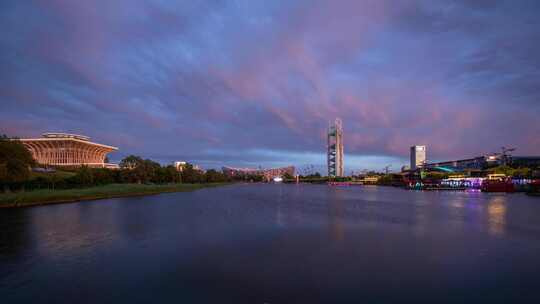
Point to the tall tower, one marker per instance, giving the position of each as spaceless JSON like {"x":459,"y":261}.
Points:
{"x":335,"y":149}
{"x":418,"y":156}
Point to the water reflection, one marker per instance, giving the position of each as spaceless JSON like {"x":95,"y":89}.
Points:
{"x":275,"y":242}
{"x":457,"y":210}
{"x":15,"y":233}
{"x":288,"y":211}
{"x":496,"y":211}
{"x":335,"y":216}
{"x":135,"y":220}
{"x":279,"y":217}
{"x":71,"y":230}
{"x":420,"y":220}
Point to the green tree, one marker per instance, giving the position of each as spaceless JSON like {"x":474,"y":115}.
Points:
{"x":508,"y":171}
{"x":103,"y":176}
{"x":287,"y":176}
{"x":15,"y":162}
{"x":522,"y":172}
{"x":436,"y":175}
{"x":136,"y":169}
{"x":213,"y":176}
{"x":84,"y":177}
{"x":173,"y":175}
{"x":148,"y":171}
{"x":130,"y":162}
{"x":192,"y":175}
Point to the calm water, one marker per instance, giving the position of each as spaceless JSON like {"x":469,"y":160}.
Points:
{"x":275,"y":244}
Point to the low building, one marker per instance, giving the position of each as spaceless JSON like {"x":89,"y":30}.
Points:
{"x":461,"y":164}
{"x":267,"y":174}
{"x":68,"y":150}
{"x":369,"y":180}
{"x":179,"y":165}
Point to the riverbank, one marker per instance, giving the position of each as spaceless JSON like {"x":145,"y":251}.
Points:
{"x":45,"y":197}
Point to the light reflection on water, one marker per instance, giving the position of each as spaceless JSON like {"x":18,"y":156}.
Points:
{"x":335,"y":216}
{"x":496,"y":210}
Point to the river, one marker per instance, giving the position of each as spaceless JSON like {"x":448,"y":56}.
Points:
{"x":275,"y":243}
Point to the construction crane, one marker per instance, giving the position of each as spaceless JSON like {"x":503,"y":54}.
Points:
{"x":386,"y":169}
{"x":308,"y":169}
{"x":504,"y":155}
{"x":505,"y":150}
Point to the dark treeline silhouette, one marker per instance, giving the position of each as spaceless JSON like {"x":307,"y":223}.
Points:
{"x":15,"y":162}
{"x":144,"y":172}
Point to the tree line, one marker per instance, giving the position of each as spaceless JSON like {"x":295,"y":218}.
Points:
{"x":16,"y":173}
{"x":15,"y":162}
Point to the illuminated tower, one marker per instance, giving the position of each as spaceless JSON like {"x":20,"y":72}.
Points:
{"x":335,"y":149}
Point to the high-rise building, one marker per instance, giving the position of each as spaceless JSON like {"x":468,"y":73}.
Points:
{"x":335,"y":149}
{"x":418,"y":156}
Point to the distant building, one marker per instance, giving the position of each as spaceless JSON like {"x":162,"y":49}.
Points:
{"x":335,"y":149}
{"x":68,"y":150}
{"x":179,"y":165}
{"x":418,"y":157}
{"x":230,"y":171}
{"x":268,"y":174}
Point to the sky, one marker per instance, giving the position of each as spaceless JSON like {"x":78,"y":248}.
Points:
{"x":255,"y":83}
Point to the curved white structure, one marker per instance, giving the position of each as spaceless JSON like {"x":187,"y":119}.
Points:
{"x":64,"y":149}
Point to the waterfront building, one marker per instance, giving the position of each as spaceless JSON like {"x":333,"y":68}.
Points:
{"x":335,"y":149}
{"x":418,"y":157}
{"x":68,"y":150}
{"x":486,"y":161}
{"x":230,"y":171}
{"x":476,"y":163}
{"x":181,"y":165}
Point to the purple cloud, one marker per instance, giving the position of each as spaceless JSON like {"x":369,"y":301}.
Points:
{"x":181,"y":81}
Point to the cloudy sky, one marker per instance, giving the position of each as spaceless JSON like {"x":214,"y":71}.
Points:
{"x":255,"y":83}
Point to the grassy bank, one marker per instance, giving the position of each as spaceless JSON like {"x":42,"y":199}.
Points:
{"x":43,"y":197}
